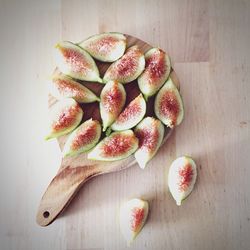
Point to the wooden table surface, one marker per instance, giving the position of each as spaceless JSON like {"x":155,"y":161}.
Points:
{"x":209,"y":42}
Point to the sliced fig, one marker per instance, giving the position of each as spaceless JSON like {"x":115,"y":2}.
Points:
{"x":131,"y":115}
{"x":181,"y":178}
{"x":105,"y":47}
{"x":65,"y":116}
{"x":83,"y":138}
{"x":113,"y":97}
{"x":117,"y":146}
{"x":75,"y":62}
{"x":168,"y":105}
{"x":63,"y":86}
{"x":150,"y":132}
{"x":156,"y":72}
{"x":127,"y":68}
{"x":133,"y":215}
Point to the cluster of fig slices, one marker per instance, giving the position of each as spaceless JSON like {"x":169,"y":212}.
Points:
{"x":124,"y":130}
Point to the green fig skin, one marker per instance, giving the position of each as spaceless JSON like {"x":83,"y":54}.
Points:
{"x":113,"y":97}
{"x":75,"y":62}
{"x":62,"y":86}
{"x":117,"y":146}
{"x":83,"y":138}
{"x":131,"y":115}
{"x":133,"y":216}
{"x":105,"y":47}
{"x":168,"y":105}
{"x":150,"y":132}
{"x":65,"y":116}
{"x":157,"y":70}
{"x":127,"y":68}
{"x":181,"y":178}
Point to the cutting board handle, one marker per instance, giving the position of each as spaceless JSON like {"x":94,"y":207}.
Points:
{"x":61,"y":190}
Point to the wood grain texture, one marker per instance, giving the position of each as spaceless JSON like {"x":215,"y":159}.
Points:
{"x":209,"y":45}
{"x":75,"y":171}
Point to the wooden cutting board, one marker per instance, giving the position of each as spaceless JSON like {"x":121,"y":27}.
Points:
{"x":75,"y":171}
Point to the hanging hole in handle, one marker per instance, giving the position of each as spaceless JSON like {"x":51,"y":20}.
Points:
{"x":46,"y":214}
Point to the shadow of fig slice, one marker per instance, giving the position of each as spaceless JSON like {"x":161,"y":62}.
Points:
{"x":83,"y":138}
{"x":168,"y":105}
{"x":105,"y":47}
{"x":75,"y":62}
{"x":181,"y":178}
{"x":117,"y":146}
{"x":132,"y":217}
{"x":150,"y":132}
{"x":113,"y":97}
{"x":63,"y":86}
{"x":131,"y":115}
{"x":156,"y":72}
{"x":65,"y":116}
{"x":127,"y":68}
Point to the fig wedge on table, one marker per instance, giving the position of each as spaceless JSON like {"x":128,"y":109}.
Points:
{"x":132,"y":217}
{"x":113,"y":97}
{"x":131,"y":115}
{"x":75,"y":62}
{"x":117,"y":146}
{"x":83,"y":138}
{"x":181,"y":178}
{"x":105,"y":47}
{"x":168,"y":105}
{"x":63,"y":86}
{"x":65,"y":116}
{"x":150,"y":132}
{"x":156,"y":72}
{"x":127,"y":68}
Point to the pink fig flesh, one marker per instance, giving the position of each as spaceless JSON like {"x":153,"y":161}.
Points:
{"x":127,"y":68}
{"x":83,"y":138}
{"x":116,"y":146}
{"x":133,"y":215}
{"x":65,"y":116}
{"x":181,"y":178}
{"x":63,"y":86}
{"x":131,"y":115}
{"x":113,"y":97}
{"x":168,"y":105}
{"x":150,"y":132}
{"x":106,"y":47}
{"x":75,"y":62}
{"x":156,"y":72}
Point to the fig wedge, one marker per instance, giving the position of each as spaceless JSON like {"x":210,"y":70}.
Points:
{"x":156,"y":72}
{"x":117,"y":146}
{"x":105,"y":47}
{"x":65,"y":116}
{"x":75,"y":62}
{"x":127,"y":68}
{"x":150,"y":132}
{"x":131,"y":115}
{"x":132,"y":217}
{"x":168,"y":105}
{"x":83,"y":138}
{"x":181,"y":178}
{"x":63,"y":86}
{"x":113,"y":97}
